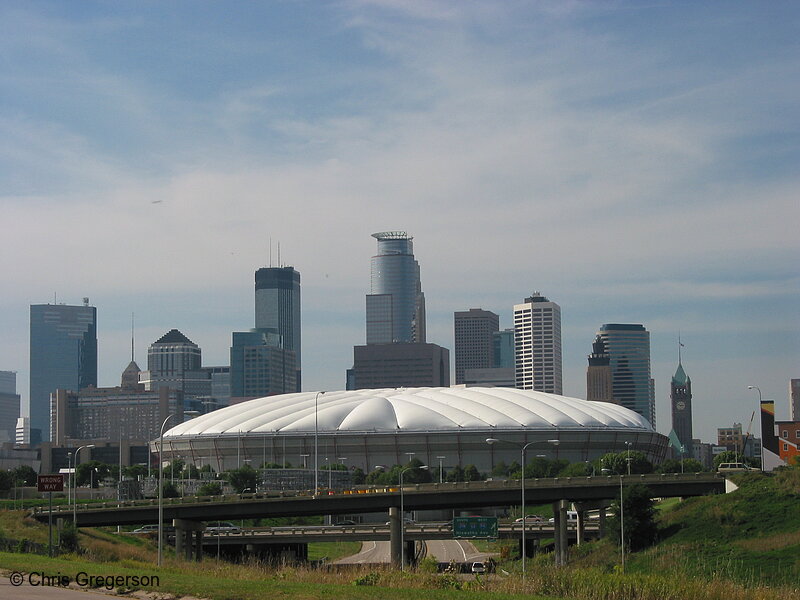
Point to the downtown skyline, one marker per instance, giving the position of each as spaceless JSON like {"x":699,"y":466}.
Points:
{"x":635,"y":164}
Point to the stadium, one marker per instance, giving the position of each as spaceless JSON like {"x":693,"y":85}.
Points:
{"x":370,"y":427}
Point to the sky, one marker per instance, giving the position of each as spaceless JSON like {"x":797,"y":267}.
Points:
{"x":635,"y":162}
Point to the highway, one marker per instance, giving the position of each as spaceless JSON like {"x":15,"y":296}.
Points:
{"x":441,"y":550}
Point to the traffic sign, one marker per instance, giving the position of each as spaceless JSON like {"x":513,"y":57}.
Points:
{"x":50,"y":483}
{"x":475,"y":527}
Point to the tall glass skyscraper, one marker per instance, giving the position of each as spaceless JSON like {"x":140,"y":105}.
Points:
{"x":628,"y":346}
{"x":63,"y":356}
{"x":278,"y":308}
{"x":395,"y":304}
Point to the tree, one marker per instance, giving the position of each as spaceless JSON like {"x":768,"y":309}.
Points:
{"x":576,"y":469}
{"x":617,"y":462}
{"x":168,"y":490}
{"x":455,"y":474}
{"x":500,"y":470}
{"x":92,"y":471}
{"x":134,"y":471}
{"x":729,"y":456}
{"x":471,"y":473}
{"x":673,"y":465}
{"x":357,"y":476}
{"x":243,"y":478}
{"x":639,"y":511}
{"x":212,"y":488}
{"x":5,"y":481}
{"x":24,"y":475}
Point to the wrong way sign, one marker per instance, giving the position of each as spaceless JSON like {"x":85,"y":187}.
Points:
{"x":50,"y":483}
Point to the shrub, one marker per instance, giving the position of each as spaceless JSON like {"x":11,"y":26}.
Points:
{"x":368,"y":579}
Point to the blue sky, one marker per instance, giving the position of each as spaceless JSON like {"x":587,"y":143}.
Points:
{"x":634,"y":162}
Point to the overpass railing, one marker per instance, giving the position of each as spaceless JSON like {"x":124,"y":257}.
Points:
{"x":530,"y":483}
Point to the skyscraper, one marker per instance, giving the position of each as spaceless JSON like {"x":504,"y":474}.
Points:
{"x":537,"y":345}
{"x":175,"y":361}
{"x":395,"y":304}
{"x":628,"y":346}
{"x":9,"y":406}
{"x":503,"y":349}
{"x":278,"y":307}
{"x":599,"y":387}
{"x":473,"y":340}
{"x":260,"y":365}
{"x":680,"y":395}
{"x":63,"y":355}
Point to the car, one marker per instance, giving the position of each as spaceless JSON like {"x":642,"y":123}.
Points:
{"x":732,"y":468}
{"x":572,"y":517}
{"x":168,"y":529}
{"x":345,"y":523}
{"x":407,"y":521}
{"x":530,"y":519}
{"x":478,"y":567}
{"x":222,"y":527}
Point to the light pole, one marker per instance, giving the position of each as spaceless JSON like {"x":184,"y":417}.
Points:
{"x":75,"y":485}
{"x":441,"y":475}
{"x":160,"y":485}
{"x":628,"y":459}
{"x":523,"y":448}
{"x":758,"y":389}
{"x":304,"y":457}
{"x":316,"y":441}
{"x":403,"y":517}
{"x":682,"y":451}
{"x":621,"y":524}
{"x":69,"y":478}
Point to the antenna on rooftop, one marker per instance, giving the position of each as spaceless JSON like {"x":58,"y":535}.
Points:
{"x":132,"y":354}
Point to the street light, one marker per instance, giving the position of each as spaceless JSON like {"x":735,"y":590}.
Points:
{"x":758,"y":389}
{"x":69,"y":478}
{"x":403,"y":517}
{"x":316,"y":442}
{"x":441,"y":458}
{"x":628,"y":459}
{"x":75,"y":485}
{"x":523,"y":448}
{"x":160,"y":484}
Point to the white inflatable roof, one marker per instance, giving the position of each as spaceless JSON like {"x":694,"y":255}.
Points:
{"x":410,"y":410}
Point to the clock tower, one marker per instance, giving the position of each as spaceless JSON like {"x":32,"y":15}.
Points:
{"x":681,"y":402}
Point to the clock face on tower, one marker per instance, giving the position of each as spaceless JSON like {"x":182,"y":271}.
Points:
{"x":680,"y":405}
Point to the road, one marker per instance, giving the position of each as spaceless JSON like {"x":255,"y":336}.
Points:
{"x":30,"y":592}
{"x":441,"y":550}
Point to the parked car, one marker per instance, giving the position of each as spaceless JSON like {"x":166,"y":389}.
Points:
{"x":530,"y":519}
{"x":478,"y":567}
{"x":222,"y":527}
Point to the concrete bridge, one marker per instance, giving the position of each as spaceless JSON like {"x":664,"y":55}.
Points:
{"x":585,"y":492}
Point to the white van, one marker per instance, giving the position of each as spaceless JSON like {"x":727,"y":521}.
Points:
{"x":732,"y":467}
{"x":572,"y":518}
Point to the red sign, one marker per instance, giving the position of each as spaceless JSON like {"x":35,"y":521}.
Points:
{"x":50,"y":483}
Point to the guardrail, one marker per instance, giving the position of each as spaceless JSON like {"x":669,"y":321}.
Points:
{"x":556,"y":482}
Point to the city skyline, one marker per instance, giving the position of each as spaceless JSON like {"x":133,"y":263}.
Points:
{"x":635,"y":163}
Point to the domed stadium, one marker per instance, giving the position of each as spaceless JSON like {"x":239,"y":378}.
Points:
{"x":369,"y":427}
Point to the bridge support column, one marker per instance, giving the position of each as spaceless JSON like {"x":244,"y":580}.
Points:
{"x":198,"y":545}
{"x":183,"y":537}
{"x":411,"y":553}
{"x":560,"y":530}
{"x":601,"y":522}
{"x":580,"y":527}
{"x":531,"y":547}
{"x":394,"y":537}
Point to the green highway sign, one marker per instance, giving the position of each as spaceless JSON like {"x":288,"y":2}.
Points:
{"x":475,"y":527}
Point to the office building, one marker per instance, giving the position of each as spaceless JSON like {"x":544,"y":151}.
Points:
{"x":23,"y":430}
{"x":174,"y":361}
{"x":628,"y":346}
{"x":493,"y":377}
{"x":9,"y":406}
{"x":681,"y":402}
{"x":399,"y":365}
{"x":63,"y":355}
{"x":794,"y":399}
{"x":537,"y":345}
{"x":599,"y":386}
{"x":114,"y":414}
{"x":473,"y":340}
{"x":503,"y":349}
{"x":277,"y":307}
{"x":395,"y":304}
{"x":260,"y":365}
